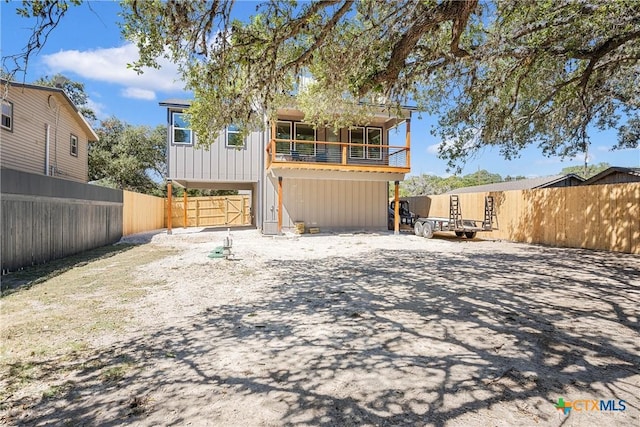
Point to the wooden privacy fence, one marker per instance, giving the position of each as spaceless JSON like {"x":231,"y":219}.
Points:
{"x":142,"y":212}
{"x":45,"y":218}
{"x":212,"y":211}
{"x":605,"y":217}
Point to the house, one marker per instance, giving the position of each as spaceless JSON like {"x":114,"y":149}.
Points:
{"x":333,"y":180}
{"x":555,"y":181}
{"x":43,"y":133}
{"x":614,"y":175}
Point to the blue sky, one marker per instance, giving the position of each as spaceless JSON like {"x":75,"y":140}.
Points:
{"x":87,"y":47}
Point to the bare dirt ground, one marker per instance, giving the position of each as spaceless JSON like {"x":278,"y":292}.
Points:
{"x":363,"y":329}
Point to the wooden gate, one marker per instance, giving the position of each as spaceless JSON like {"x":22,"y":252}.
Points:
{"x":213,"y":211}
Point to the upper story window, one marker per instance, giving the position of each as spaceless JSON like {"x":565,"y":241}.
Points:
{"x":374,"y":137}
{"x":283,"y":132}
{"x":365,"y":135}
{"x":181,"y":133}
{"x":7,"y":115}
{"x":233,"y":137}
{"x":74,"y":145}
{"x":305,"y":132}
{"x":356,"y":136}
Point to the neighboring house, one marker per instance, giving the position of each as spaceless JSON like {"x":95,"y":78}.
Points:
{"x":43,"y":133}
{"x":614,"y":175}
{"x":569,"y":180}
{"x":326,"y":179}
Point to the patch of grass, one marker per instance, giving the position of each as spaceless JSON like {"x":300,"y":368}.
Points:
{"x":57,"y":390}
{"x":18,"y":375}
{"x":46,"y":328}
{"x":29,"y":276}
{"x":22,"y":372}
{"x":114,"y":373}
{"x":51,"y":314}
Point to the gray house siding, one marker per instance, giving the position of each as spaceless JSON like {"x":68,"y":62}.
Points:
{"x":218,"y":162}
{"x":329,"y":204}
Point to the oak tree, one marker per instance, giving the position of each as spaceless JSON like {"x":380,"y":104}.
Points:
{"x":507,"y":74}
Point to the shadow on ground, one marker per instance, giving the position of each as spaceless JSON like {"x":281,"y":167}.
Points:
{"x":358,"y":341}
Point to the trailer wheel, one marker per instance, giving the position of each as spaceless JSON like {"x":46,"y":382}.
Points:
{"x":417,"y":229}
{"x":459,"y":233}
{"x":470,"y":234}
{"x":427,"y":230}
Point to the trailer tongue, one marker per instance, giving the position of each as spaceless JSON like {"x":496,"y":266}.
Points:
{"x":425,"y":227}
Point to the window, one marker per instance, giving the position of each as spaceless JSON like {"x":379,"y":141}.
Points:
{"x":305,"y":132}
{"x":369,"y":136}
{"x":7,"y":115}
{"x":283,"y":131}
{"x":74,"y":145}
{"x":233,"y":137}
{"x":181,"y":133}
{"x":374,"y":137}
{"x":332,"y":135}
{"x":356,"y":136}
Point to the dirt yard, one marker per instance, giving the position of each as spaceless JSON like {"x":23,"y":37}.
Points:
{"x":340,"y":330}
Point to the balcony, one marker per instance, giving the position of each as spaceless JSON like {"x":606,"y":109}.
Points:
{"x":337,"y":156}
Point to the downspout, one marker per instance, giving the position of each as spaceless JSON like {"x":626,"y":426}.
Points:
{"x":46,"y":150}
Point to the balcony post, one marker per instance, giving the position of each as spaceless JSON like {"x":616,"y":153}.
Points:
{"x":408,"y":141}
{"x":279,"y":205}
{"x":344,"y":154}
{"x":272,"y":141}
{"x":396,"y":209}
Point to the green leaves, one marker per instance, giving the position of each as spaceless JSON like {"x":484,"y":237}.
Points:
{"x":128,"y":157}
{"x":508,"y":74}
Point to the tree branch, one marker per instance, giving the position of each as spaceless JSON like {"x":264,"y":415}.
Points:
{"x":427,"y":19}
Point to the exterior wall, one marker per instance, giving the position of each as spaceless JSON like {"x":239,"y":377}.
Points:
{"x":327,"y":204}
{"x":219,"y":162}
{"x":24,"y":147}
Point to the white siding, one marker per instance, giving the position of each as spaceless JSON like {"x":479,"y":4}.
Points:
{"x":24,"y":147}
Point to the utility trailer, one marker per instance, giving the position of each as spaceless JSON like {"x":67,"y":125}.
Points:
{"x":425,"y":227}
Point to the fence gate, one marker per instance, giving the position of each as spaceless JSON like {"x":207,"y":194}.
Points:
{"x":214,"y":211}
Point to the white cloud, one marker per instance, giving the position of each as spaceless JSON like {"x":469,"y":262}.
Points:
{"x":98,"y":108}
{"x":110,"y":65}
{"x":433,"y":148}
{"x":472,"y":144}
{"x":136,"y":93}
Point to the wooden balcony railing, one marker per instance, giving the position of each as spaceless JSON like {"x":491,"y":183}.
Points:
{"x":302,"y":154}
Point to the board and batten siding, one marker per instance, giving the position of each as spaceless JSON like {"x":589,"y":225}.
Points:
{"x":329,"y":204}
{"x":219,"y":162}
{"x":24,"y":147}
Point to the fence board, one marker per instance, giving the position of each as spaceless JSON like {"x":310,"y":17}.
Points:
{"x":45,"y":218}
{"x":142,"y":212}
{"x":605,"y":217}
